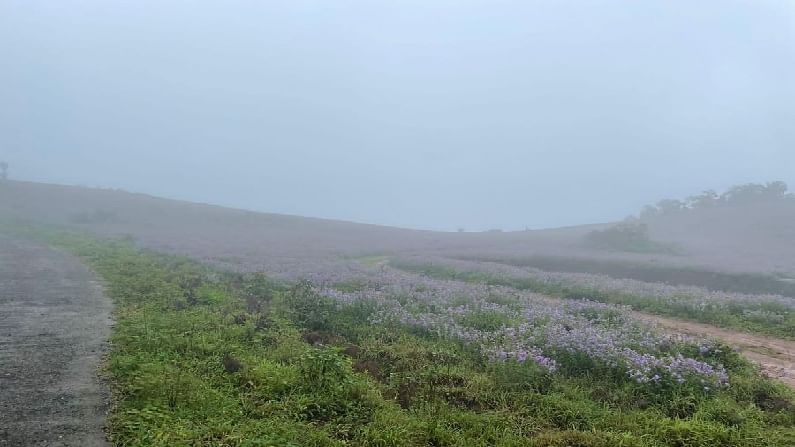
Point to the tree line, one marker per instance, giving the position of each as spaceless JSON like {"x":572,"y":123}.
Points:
{"x":736,"y":195}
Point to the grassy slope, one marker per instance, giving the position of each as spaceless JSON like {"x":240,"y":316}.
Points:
{"x":734,"y":317}
{"x":731,"y":239}
{"x":204,"y":358}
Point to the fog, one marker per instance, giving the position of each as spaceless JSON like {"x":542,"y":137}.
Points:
{"x":423,"y":114}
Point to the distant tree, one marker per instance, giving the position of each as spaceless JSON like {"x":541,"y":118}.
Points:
{"x":706,"y":199}
{"x":649,"y":211}
{"x":755,"y":192}
{"x":3,"y":170}
{"x":632,"y":220}
{"x":777,"y":190}
{"x":736,"y":195}
{"x":670,"y":206}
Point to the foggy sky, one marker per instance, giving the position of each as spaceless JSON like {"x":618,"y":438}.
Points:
{"x":423,"y":113}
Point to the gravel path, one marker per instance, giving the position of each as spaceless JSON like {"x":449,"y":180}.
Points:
{"x":54,"y":326}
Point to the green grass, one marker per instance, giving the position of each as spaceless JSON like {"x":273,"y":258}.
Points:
{"x":202,"y":358}
{"x":733,"y":316}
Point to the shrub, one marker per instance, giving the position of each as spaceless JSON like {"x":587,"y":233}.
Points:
{"x":324,"y":369}
{"x":309,"y":309}
{"x":629,"y":236}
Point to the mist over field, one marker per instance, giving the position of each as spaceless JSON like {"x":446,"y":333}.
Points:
{"x":414,"y":223}
{"x":430,"y":115}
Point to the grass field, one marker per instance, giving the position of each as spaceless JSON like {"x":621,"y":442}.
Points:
{"x":201,"y":357}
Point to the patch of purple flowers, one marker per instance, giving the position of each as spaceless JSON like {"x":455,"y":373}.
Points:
{"x":537,"y":329}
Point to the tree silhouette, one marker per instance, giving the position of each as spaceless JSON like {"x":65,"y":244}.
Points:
{"x":777,"y":190}
{"x":707,"y":199}
{"x":670,"y":206}
{"x":3,"y":170}
{"x":649,"y":211}
{"x":755,"y":192}
{"x":745,"y":194}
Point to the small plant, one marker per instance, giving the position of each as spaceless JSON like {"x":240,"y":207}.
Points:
{"x":309,"y":309}
{"x":231,"y":364}
{"x":324,"y":369}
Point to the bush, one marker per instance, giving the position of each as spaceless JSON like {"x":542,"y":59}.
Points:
{"x":324,"y":369}
{"x":309,"y":309}
{"x":627,"y":236}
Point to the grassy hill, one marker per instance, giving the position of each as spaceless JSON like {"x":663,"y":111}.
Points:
{"x":749,"y":238}
{"x":324,"y":350}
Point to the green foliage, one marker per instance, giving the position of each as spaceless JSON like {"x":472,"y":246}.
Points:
{"x":486,"y":320}
{"x":324,"y":370}
{"x":584,"y":439}
{"x":309,"y":309}
{"x":628,"y":236}
{"x":179,"y":325}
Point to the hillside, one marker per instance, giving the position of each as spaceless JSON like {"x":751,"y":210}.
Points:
{"x":204,"y":229}
{"x":748,"y":237}
{"x":751,"y":238}
{"x":420,"y":347}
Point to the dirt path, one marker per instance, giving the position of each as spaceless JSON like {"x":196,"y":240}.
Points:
{"x":775,"y":356}
{"x":54,"y":323}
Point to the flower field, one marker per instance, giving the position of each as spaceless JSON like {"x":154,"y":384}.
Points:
{"x":354,"y":352}
{"x":764,"y":313}
{"x":506,"y":324}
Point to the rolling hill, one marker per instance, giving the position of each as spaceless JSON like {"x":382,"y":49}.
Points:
{"x":750,"y":238}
